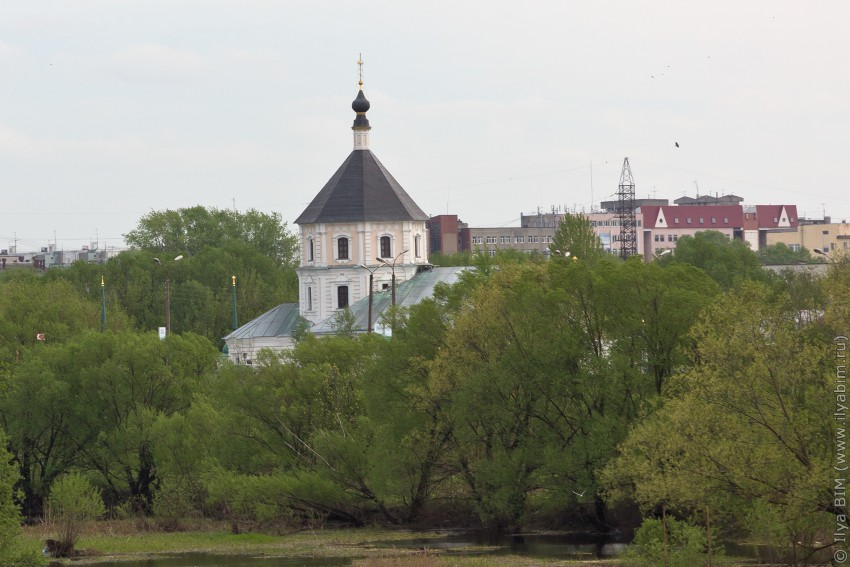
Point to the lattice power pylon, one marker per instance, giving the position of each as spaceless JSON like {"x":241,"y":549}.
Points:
{"x":626,"y":212}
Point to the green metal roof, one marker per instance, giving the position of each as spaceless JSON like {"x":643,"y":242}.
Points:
{"x":277,"y":322}
{"x":420,"y":286}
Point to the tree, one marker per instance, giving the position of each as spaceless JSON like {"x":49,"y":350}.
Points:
{"x":73,"y":501}
{"x":781,"y":254}
{"x":576,"y":236}
{"x":533,"y":409}
{"x":190,"y":230}
{"x":417,"y":435}
{"x":760,"y":386}
{"x":29,"y":308}
{"x":200,"y":288}
{"x":725,"y":260}
{"x":90,"y":404}
{"x":650,"y":310}
{"x":11,"y":552}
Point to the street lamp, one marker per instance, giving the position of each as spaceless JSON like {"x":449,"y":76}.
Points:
{"x":392,"y":267}
{"x":822,"y":253}
{"x":566,"y":254}
{"x":371,"y":287}
{"x":167,"y":294}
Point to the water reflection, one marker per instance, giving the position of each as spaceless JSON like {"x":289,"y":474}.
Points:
{"x":561,"y":546}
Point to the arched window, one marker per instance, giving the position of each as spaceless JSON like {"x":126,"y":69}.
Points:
{"x":386,"y":247}
{"x":309,"y":298}
{"x":417,"y":246}
{"x":310,"y":256}
{"x":342,"y":248}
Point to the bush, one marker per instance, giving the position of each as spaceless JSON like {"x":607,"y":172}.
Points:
{"x":686,"y":544}
{"x":72,"y":501}
{"x":12,"y":553}
{"x":175,"y":500}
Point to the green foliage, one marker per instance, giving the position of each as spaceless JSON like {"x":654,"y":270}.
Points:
{"x":192,"y":230}
{"x":200,"y":288}
{"x":781,"y":254}
{"x":343,"y":323}
{"x":12,"y":553}
{"x":30,"y":306}
{"x":576,"y":236}
{"x":73,"y":500}
{"x":465,"y":258}
{"x":684,"y":547}
{"x":760,"y":387}
{"x":92,"y":403}
{"x":530,"y":396}
{"x":216,"y":244}
{"x":177,"y":498}
{"x":725,"y":260}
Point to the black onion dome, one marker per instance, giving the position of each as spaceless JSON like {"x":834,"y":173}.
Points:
{"x":360,"y":103}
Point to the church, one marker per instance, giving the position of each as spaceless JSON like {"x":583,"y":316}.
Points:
{"x":361,"y":228}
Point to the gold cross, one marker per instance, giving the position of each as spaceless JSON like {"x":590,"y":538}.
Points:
{"x":360,"y":64}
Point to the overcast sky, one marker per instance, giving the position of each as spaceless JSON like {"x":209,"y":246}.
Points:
{"x":483,"y":109}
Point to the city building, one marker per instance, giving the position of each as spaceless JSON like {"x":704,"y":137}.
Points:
{"x":663,"y":226}
{"x":823,"y":234}
{"x":444,"y":234}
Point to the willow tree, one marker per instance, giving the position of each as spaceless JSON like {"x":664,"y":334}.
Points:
{"x":747,"y":432}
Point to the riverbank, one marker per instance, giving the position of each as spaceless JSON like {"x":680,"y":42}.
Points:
{"x":117,"y":542}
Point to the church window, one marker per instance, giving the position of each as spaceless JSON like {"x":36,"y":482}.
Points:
{"x":310,"y":256}
{"x":342,"y":297}
{"x":309,"y":298}
{"x":386,"y":247}
{"x":417,"y":246}
{"x":342,"y":248}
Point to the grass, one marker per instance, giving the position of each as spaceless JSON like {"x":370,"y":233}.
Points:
{"x":134,"y":540}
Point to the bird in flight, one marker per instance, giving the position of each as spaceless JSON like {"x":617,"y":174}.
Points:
{"x":580,"y":495}
{"x":677,"y":144}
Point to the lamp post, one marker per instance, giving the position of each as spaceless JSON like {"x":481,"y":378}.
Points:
{"x":566,"y":254}
{"x":234,"y":323}
{"x":167,"y":294}
{"x":392,"y":268}
{"x":822,"y":253}
{"x":371,"y":287}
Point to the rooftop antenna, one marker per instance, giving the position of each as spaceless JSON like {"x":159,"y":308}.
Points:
{"x":591,"y":185}
{"x":697,"y":186}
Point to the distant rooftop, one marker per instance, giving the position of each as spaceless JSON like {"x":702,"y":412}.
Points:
{"x":709,"y":200}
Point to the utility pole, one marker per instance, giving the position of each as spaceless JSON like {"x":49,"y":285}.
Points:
{"x":626,"y":212}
